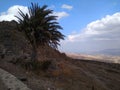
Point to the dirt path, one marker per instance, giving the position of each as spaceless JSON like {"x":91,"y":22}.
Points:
{"x":92,"y":78}
{"x":103,"y":76}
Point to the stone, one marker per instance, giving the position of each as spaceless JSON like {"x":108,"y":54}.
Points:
{"x":22,"y":79}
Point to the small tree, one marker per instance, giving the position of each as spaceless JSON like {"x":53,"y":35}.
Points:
{"x":40,"y":27}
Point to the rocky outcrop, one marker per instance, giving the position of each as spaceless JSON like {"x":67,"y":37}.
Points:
{"x":11,"y":81}
{"x":12,"y":42}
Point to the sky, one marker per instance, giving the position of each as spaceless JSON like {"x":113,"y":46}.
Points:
{"x":89,"y":25}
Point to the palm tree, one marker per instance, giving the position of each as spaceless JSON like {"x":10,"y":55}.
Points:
{"x":40,"y":27}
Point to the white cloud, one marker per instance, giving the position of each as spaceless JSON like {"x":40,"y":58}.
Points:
{"x":12,"y":12}
{"x":97,"y":35}
{"x":61,"y":14}
{"x":65,"y":6}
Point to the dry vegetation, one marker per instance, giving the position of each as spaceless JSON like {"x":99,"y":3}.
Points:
{"x":60,"y":72}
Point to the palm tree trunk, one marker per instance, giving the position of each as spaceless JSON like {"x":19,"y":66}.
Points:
{"x":34,"y":49}
{"x":34,"y":54}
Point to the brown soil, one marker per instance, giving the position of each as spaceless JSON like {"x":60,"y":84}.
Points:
{"x":74,"y":75}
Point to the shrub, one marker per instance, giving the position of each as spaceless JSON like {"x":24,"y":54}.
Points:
{"x":45,"y":65}
{"x":28,"y":64}
{"x":39,"y":65}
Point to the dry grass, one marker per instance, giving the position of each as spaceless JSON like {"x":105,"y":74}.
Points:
{"x":61,"y":69}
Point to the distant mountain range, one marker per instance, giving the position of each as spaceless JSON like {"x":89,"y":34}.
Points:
{"x":99,"y":57}
{"x":115,"y":52}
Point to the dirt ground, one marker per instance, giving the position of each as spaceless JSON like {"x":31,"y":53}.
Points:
{"x":86,"y":75}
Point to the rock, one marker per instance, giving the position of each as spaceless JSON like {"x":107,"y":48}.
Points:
{"x":2,"y":56}
{"x":22,"y":79}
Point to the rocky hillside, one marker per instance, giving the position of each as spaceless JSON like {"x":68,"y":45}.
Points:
{"x":11,"y":41}
{"x":62,"y":74}
{"x":14,"y":43}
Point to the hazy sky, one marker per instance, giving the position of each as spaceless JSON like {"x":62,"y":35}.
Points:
{"x":89,"y":25}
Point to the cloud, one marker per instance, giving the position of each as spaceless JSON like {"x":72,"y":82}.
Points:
{"x":65,"y":6}
{"x":97,"y":35}
{"x":61,"y":14}
{"x":12,"y":12}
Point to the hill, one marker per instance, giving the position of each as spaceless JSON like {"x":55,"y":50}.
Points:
{"x":113,"y":52}
{"x":15,"y":43}
{"x":99,"y":57}
{"x":63,"y":73}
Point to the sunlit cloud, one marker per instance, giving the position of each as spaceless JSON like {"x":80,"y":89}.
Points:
{"x":65,"y":6}
{"x":97,"y":35}
{"x":12,"y":12}
{"x":61,"y":14}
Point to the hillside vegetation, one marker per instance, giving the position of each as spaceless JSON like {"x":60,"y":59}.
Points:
{"x":57,"y":71}
{"x":28,"y":50}
{"x":15,"y":45}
